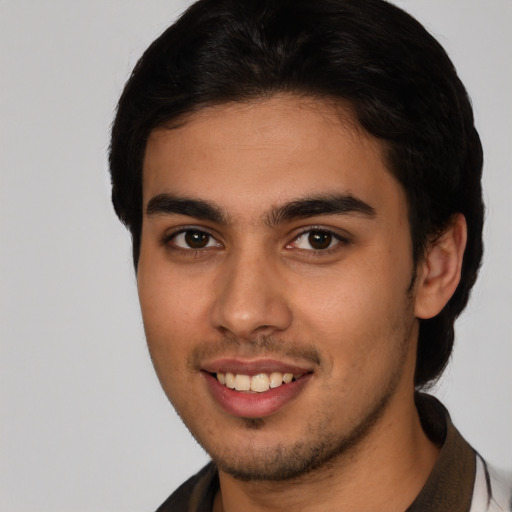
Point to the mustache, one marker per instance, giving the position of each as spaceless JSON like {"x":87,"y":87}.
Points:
{"x":258,"y":347}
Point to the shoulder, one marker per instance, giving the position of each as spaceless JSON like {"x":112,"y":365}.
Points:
{"x":194,"y":495}
{"x":492,"y":490}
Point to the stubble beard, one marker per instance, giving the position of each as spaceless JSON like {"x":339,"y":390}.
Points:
{"x":319,"y":451}
{"x":321,"y":448}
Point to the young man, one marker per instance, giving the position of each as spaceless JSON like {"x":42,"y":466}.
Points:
{"x":302,"y":184}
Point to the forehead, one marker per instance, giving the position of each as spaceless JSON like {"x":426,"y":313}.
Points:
{"x":249,"y":155}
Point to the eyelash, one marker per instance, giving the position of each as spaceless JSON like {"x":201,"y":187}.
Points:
{"x":340,"y":241}
{"x":191,"y":251}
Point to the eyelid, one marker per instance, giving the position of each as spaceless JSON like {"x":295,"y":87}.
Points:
{"x":171,"y":234}
{"x":342,"y":239}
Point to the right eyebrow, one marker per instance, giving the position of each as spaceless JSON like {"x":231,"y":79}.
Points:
{"x":167,"y":204}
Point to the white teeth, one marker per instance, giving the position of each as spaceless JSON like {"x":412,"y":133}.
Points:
{"x":242,"y":382}
{"x":258,"y":383}
{"x":230,"y":380}
{"x":276,"y":379}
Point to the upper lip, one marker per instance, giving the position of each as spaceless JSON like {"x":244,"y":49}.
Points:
{"x":254,"y":367}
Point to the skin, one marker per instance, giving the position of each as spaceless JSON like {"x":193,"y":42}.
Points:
{"x":259,"y":290}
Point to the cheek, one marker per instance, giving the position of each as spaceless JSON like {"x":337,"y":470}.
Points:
{"x":347,"y":300}
{"x":359,"y":317}
{"x":170,"y":316}
{"x":170,"y":301}
{"x":168,"y":326}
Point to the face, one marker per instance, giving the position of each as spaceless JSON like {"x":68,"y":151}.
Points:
{"x":274,"y":280}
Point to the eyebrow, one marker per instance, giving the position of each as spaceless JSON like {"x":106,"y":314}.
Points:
{"x":167,"y":204}
{"x":337,"y":204}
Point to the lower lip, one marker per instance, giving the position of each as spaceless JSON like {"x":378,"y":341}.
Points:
{"x":254,"y":405}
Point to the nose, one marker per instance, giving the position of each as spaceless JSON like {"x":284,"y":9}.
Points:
{"x":250,"y":299}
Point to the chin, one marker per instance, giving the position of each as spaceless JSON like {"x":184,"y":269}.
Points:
{"x":320,"y":447}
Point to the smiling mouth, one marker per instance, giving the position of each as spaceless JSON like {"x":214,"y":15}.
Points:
{"x":259,"y":383}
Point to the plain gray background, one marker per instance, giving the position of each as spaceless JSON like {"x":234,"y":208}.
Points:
{"x":84,"y":424}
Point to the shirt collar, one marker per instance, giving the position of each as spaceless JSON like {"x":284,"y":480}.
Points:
{"x":450,"y":484}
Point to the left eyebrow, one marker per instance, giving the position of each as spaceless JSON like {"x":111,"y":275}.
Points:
{"x":339,"y":204}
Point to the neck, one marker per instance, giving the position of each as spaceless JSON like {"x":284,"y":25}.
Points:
{"x":396,"y":457}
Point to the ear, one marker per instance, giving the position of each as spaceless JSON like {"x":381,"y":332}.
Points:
{"x":439,"y":271}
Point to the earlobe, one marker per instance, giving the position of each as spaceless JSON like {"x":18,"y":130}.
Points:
{"x":439,"y":272}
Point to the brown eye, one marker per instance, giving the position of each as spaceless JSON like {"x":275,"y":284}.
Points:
{"x":320,"y":239}
{"x":317,"y":240}
{"x":192,"y":240}
{"x":196,"y":239}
